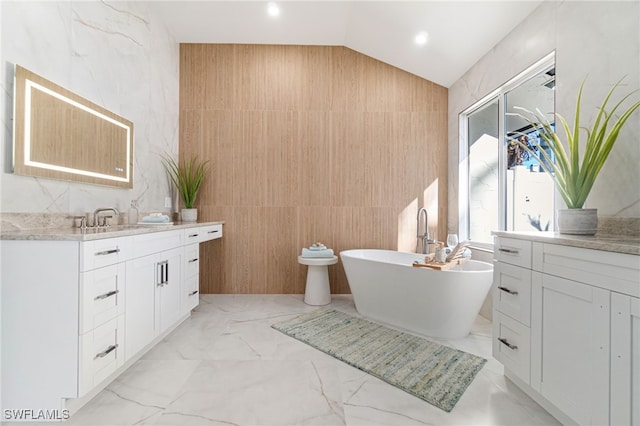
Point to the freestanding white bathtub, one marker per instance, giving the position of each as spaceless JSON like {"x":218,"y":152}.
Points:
{"x":442,"y":304}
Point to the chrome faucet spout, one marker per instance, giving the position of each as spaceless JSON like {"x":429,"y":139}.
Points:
{"x":100,"y":210}
{"x":423,"y":213}
{"x":423,"y":239}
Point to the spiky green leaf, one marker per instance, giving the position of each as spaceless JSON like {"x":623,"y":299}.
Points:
{"x":573,"y":178}
{"x":187,"y":176}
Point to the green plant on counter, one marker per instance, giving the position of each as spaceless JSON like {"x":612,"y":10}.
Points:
{"x":573,"y":178}
{"x":187,"y":176}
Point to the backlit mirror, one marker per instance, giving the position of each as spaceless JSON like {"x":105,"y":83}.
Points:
{"x":60,"y":135}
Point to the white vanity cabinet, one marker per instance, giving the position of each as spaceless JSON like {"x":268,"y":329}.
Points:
{"x":625,"y":359}
{"x":571,"y":342}
{"x":101,"y":310}
{"x":191,"y":281}
{"x":191,"y":290}
{"x":154,"y":277}
{"x":40,"y":323}
{"x":566,"y":328}
{"x":62,"y":318}
{"x":77,"y":311}
{"x":512,"y":306}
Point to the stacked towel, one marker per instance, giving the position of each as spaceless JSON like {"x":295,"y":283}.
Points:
{"x":156,"y":218}
{"x":317,"y":250}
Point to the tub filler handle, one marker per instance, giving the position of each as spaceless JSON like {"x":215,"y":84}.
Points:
{"x":506,"y":290}
{"x":507,"y":344}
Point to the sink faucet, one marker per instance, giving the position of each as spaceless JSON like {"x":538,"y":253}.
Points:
{"x":423,"y":240}
{"x":100,"y":210}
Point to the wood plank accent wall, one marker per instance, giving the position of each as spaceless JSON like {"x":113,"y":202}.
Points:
{"x":308,"y":143}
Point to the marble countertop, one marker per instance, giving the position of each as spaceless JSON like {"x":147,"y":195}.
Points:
{"x":88,"y":234}
{"x":613,"y":243}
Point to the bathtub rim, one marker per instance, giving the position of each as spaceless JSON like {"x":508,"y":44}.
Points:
{"x":487,"y":267}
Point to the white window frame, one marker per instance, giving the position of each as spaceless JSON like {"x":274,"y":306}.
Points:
{"x":463,"y":149}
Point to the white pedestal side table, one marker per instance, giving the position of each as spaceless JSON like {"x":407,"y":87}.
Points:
{"x":317,"y":291}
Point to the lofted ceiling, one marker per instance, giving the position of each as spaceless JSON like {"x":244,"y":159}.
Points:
{"x":459,"y":32}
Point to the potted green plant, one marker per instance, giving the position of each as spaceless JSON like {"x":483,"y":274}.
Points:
{"x":573,"y":177}
{"x":187,"y":176}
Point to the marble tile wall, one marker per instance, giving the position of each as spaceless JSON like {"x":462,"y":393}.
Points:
{"x":594,"y":40}
{"x":115,"y":54}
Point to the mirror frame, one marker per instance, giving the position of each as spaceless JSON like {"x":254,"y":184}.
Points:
{"x":85,"y":138}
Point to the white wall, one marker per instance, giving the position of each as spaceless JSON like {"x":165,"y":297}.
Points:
{"x":598,"y":40}
{"x":117,"y":55}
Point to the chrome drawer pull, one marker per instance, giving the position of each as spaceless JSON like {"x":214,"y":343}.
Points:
{"x":193,"y":292}
{"x":506,"y":290}
{"x":106,"y":252}
{"x":193,"y":235}
{"x":106,"y":351}
{"x":193,"y":260}
{"x":509,"y":251}
{"x":212,"y":232}
{"x":108,"y":294}
{"x":507,"y":344}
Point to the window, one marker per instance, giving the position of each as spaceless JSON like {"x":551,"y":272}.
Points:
{"x":501,"y":187}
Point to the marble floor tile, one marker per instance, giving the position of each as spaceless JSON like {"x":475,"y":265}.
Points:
{"x":257,"y":393}
{"x":225,"y":365}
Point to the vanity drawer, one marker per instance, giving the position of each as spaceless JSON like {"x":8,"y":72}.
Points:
{"x":513,"y":251}
{"x":211,"y":232}
{"x":617,"y":272}
{"x":202,"y":233}
{"x":193,"y":235}
{"x":512,"y":345}
{"x":146,"y":244}
{"x":101,"y":296}
{"x":191,"y":296}
{"x":101,"y":353}
{"x":104,"y":252}
{"x":512,"y":291}
{"x":191,"y":259}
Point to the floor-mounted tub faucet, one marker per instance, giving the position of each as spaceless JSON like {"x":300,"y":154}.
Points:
{"x":423,"y":240}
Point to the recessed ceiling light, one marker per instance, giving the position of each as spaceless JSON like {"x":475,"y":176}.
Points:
{"x":273,"y":9}
{"x":421,"y":38}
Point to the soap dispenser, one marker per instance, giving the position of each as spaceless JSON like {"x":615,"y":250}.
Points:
{"x":133,"y":213}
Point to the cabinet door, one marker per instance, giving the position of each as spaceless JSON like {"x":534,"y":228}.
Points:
{"x":139,"y":304}
{"x":572,"y":335}
{"x":168,"y":288}
{"x":625,"y":359}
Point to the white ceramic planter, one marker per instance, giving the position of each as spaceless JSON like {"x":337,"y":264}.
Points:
{"x":189,"y":215}
{"x":577,"y":221}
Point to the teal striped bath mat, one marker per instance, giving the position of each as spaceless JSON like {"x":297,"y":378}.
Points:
{"x":428,"y":370}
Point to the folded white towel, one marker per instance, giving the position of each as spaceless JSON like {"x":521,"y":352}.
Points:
{"x":154,"y":218}
{"x":317,"y":253}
